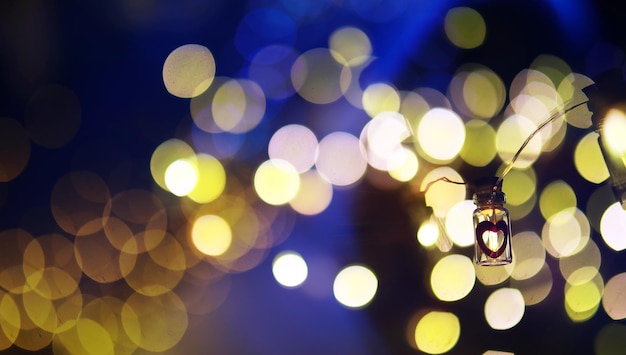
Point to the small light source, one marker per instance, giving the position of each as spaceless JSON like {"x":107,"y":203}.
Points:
{"x":606,"y":101}
{"x":612,"y":139}
{"x":492,"y":224}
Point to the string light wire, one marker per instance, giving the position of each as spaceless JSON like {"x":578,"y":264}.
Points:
{"x":552,"y":117}
{"x":441,"y":179}
{"x":508,"y":168}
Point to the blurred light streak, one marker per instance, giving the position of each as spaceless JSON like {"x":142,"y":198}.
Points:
{"x":411,"y":34}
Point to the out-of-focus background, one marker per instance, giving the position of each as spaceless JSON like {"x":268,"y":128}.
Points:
{"x":252,"y":177}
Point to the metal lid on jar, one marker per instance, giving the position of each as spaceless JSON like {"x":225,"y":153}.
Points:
{"x":488,"y":190}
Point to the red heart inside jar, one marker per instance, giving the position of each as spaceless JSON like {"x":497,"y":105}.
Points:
{"x":495,"y":235}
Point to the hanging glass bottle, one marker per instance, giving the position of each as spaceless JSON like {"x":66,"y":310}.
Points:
{"x":492,"y":224}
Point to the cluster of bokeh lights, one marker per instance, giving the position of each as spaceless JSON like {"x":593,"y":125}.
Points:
{"x":208,"y":216}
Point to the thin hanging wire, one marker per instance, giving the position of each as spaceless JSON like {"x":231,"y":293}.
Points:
{"x":442,"y":179}
{"x":508,"y":168}
{"x":519,"y":151}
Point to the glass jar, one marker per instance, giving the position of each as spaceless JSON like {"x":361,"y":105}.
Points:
{"x":492,"y":225}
